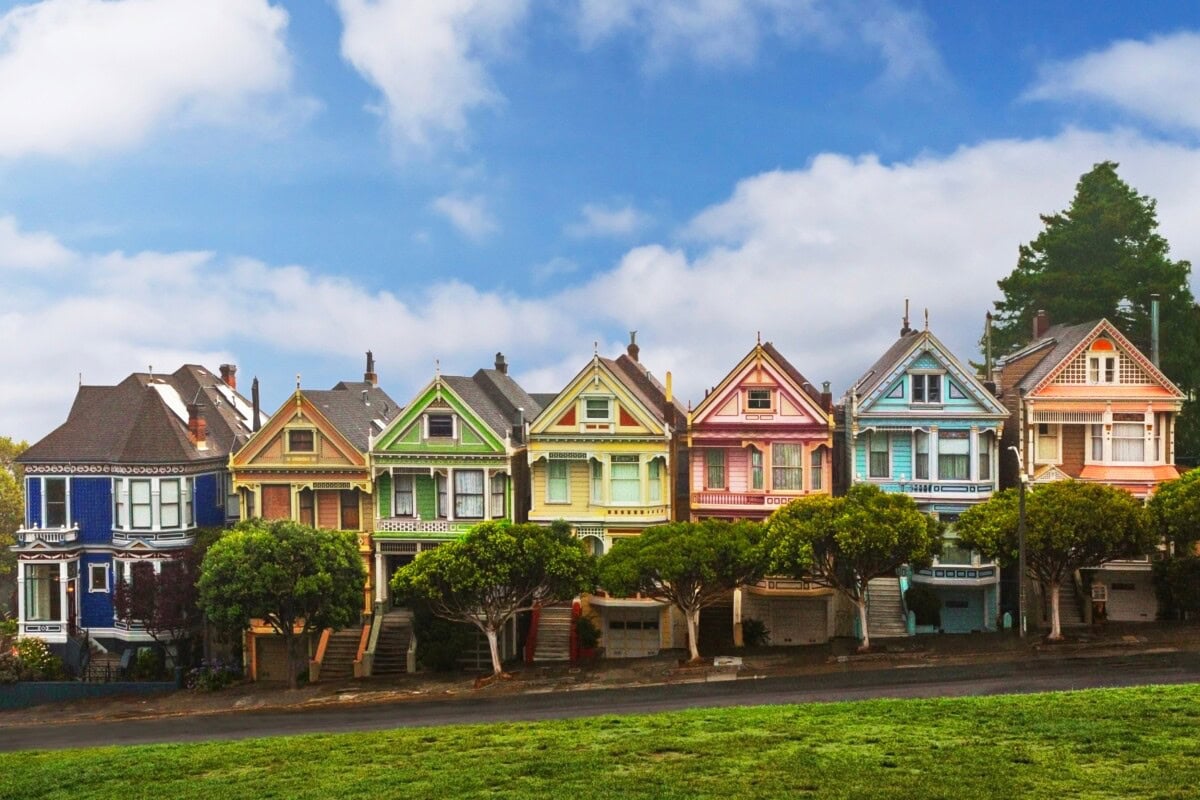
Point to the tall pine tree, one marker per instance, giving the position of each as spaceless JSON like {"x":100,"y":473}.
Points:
{"x":1104,"y":257}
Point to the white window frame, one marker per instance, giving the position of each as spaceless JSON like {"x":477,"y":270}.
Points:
{"x":120,"y":503}
{"x":499,"y":499}
{"x":608,"y":408}
{"x":928,"y":439}
{"x":178,"y":504}
{"x":1037,"y":450}
{"x":566,"y":466}
{"x":886,"y":438}
{"x":1099,"y":366}
{"x":149,"y":504}
{"x":624,"y":460}
{"x":66,"y":500}
{"x":103,"y":568}
{"x":412,"y":493}
{"x":923,"y":377}
{"x":482,"y":495}
{"x":750,"y":400}
{"x":654,"y":470}
{"x":429,"y":415}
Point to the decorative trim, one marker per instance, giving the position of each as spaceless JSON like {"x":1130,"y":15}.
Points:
{"x":71,"y":470}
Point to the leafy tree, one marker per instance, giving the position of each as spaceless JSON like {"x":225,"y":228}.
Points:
{"x":164,"y":603}
{"x":12,"y":509}
{"x":1175,"y":511}
{"x":846,"y":542}
{"x":688,"y":564}
{"x":1104,"y":257}
{"x":295,"y":578}
{"x":1069,"y":525}
{"x":1177,"y":583}
{"x":495,"y":571}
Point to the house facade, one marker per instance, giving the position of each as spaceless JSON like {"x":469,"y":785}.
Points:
{"x":130,"y":476}
{"x":919,"y":422}
{"x":607,"y":454}
{"x":759,"y":439}
{"x":1086,"y":404}
{"x":310,"y":463}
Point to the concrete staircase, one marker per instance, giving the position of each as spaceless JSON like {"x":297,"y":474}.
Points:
{"x":554,"y":634}
{"x":885,"y":612}
{"x":1070,"y":612}
{"x":391,"y":651}
{"x":340,"y":652}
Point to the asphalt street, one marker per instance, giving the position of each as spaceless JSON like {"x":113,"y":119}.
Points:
{"x":891,"y":682}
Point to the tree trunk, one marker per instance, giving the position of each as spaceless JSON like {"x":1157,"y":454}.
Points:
{"x":289,"y":644}
{"x":1055,"y":619}
{"x":862,"y":621}
{"x":494,"y":646}
{"x":693,"y":623}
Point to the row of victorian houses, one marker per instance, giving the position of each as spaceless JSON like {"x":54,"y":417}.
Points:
{"x":138,"y":467}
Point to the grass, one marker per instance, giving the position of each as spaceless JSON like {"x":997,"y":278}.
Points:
{"x":1113,"y":743}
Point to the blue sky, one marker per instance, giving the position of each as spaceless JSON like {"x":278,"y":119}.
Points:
{"x":286,"y":184}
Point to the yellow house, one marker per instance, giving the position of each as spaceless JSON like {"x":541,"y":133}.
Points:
{"x":608,"y":455}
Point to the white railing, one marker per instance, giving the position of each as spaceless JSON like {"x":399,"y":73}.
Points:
{"x":727,"y":499}
{"x":48,"y":535}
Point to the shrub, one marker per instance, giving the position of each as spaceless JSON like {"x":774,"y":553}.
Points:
{"x":924,"y":603}
{"x":1177,"y":583}
{"x":440,"y":642}
{"x":587,"y":632}
{"x":755,"y":633}
{"x":148,"y":666}
{"x":212,"y":676}
{"x":10,"y":668}
{"x":36,"y":662}
{"x":8,"y":633}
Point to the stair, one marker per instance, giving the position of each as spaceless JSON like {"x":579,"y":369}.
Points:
{"x":103,"y":667}
{"x":340,"y":652}
{"x":477,"y":656}
{"x":554,"y":634}
{"x":1070,"y":613}
{"x":885,"y":612}
{"x":391,"y":650}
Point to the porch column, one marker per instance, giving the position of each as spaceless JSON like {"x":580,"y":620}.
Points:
{"x":973,"y":455}
{"x":64,"y":596}
{"x":487,"y":493}
{"x":381,"y":577}
{"x":738,"y":639}
{"x":21,"y":592}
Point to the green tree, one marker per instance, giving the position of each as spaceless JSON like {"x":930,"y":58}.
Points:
{"x":297,"y":579}
{"x":496,"y":570}
{"x":1175,"y":511}
{"x":1104,"y":257}
{"x":846,"y":542}
{"x":12,"y":509}
{"x":688,"y":564}
{"x":1069,"y":525}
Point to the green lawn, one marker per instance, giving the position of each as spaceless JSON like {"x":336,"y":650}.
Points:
{"x":1106,"y":743}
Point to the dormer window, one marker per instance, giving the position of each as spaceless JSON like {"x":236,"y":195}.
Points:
{"x":302,"y":441}
{"x":597,"y":409}
{"x":758,"y":399}
{"x":927,"y":388}
{"x":440,"y":426}
{"x":1102,"y":362}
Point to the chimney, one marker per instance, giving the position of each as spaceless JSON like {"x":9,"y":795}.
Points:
{"x":229,"y":375}
{"x":369,"y":376}
{"x":670,"y":394}
{"x":501,"y":364}
{"x":254,"y":423}
{"x":633,"y":349}
{"x":518,"y":432}
{"x":1154,"y":329}
{"x":1041,"y":324}
{"x":904,"y":329}
{"x":987,"y":347}
{"x":197,"y":427}
{"x":826,"y":396}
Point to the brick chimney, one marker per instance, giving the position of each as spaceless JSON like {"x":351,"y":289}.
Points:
{"x":197,"y":427}
{"x":633,"y":348}
{"x":501,"y":364}
{"x":1041,"y":324}
{"x":826,"y":396}
{"x":229,"y":375}
{"x":369,"y":376}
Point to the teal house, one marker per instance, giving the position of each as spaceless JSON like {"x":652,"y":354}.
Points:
{"x":920,"y":422}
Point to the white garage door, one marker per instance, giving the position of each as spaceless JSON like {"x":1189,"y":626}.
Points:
{"x":798,"y":620}
{"x":632,"y":632}
{"x":1130,"y":597}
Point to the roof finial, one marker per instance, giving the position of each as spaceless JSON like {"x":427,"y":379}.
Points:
{"x":150,"y":369}
{"x":437,"y":368}
{"x":760,"y":337}
{"x":927,"y":319}
{"x":595,"y":349}
{"x":297,"y":381}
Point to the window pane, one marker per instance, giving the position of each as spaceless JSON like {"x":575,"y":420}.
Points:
{"x":168,"y":491}
{"x":56,"y":503}
{"x":1047,"y":442}
{"x":557,"y":474}
{"x":139,"y":504}
{"x":440,"y":484}
{"x":301,"y":441}
{"x":1097,"y":442}
{"x":1128,"y":442}
{"x":498,"y":495}
{"x":139,"y":491}
{"x":954,"y":450}
{"x":759,"y":399}
{"x":714,"y":460}
{"x":441,"y":425}
{"x":878,"y":466}
{"x":921,"y":456}
{"x":43,"y":601}
{"x":817,"y":464}
{"x":756,"y":468}
{"x":404,"y":496}
{"x":655,"y":478}
{"x":625,"y":479}
{"x":596,"y":408}
{"x":933,"y":390}
{"x":985,"y":457}
{"x":787,"y":474}
{"x":918,"y":388}
{"x":468,"y":494}
{"x":168,"y":504}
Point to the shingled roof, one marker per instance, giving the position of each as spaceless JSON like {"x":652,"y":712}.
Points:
{"x":144,"y":420}
{"x":647,"y":389}
{"x":1058,"y":342}
{"x":795,"y":374}
{"x":495,"y":398}
{"x":358,"y":409}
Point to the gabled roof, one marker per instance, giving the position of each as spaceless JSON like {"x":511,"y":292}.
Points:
{"x":646,"y":388}
{"x":357,"y":409}
{"x":906,"y":349}
{"x":798,"y":381}
{"x":143,"y":420}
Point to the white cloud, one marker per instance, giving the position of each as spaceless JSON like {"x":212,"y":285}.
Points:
{"x":818,"y":259}
{"x":598,"y":220}
{"x":78,"y":77}
{"x":468,"y":214}
{"x":428,"y":58}
{"x":1158,"y":79}
{"x":20,"y":250}
{"x":721,"y":32}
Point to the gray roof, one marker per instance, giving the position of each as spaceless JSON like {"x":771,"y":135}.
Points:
{"x":871,"y":379}
{"x":647,"y":389}
{"x":795,"y":374}
{"x":1065,"y":338}
{"x":354,"y":413}
{"x":143,"y":420}
{"x":495,"y":398}
{"x":543,"y":399}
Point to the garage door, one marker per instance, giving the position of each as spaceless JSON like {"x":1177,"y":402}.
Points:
{"x":1130,"y":597}
{"x":277,"y":502}
{"x":798,"y":620}
{"x":270,"y":658}
{"x":632,"y":632}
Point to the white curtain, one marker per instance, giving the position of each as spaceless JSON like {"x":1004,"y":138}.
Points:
{"x":468,"y":494}
{"x":1128,"y":442}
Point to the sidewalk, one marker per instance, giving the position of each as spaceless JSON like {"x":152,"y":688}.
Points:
{"x":836,"y":657}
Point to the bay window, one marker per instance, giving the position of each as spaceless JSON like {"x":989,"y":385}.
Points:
{"x":468,"y":494}
{"x":558,"y":487}
{"x":168,"y":504}
{"x":625,"y":485}
{"x":654,"y":475}
{"x":921,"y":455}
{"x":954,"y":455}
{"x":43,"y":596}
{"x":815,"y":476}
{"x":714,"y":468}
{"x":985,"y":456}
{"x":878,"y":455}
{"x":1128,"y":441}
{"x":787,"y":470}
{"x":597,"y":486}
{"x":140,"y":513}
{"x":439,"y":482}
{"x":498,"y":494}
{"x":756,"y":468}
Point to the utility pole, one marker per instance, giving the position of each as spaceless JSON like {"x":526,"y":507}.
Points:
{"x":1024,"y":479}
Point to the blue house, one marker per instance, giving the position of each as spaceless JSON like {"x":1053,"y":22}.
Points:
{"x":920,"y":422}
{"x":131,"y":475}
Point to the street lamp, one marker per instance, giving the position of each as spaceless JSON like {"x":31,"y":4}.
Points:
{"x":1024,"y":479}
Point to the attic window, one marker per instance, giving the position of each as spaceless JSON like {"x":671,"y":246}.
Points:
{"x":441,"y":426}
{"x":597,"y":409}
{"x":301,"y":441}
{"x":927,"y":388}
{"x":758,"y":399}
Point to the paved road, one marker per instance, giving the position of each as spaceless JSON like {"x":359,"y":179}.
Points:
{"x":902,"y":682}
